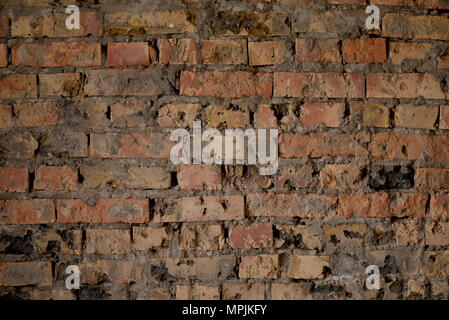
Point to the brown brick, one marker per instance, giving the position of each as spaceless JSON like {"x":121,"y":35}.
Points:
{"x":53,"y":294}
{"x":342,"y":177}
{"x":290,"y":291}
{"x":307,"y":267}
{"x":56,"y":54}
{"x":432,"y":179}
{"x":26,"y":273}
{"x":266,"y":52}
{"x":252,"y":236}
{"x":65,"y":242}
{"x":60,"y":84}
{"x":439,"y":206}
{"x":328,"y":22}
{"x":397,"y":146}
{"x":53,"y":25}
{"x":368,"y":50}
{"x":225,"y":84}
{"x":149,"y":22}
{"x":407,"y":26}
{"x":178,"y":51}
{"x":199,"y":177}
{"x":31,"y":114}
{"x":3,"y":55}
{"x":225,"y":52}
{"x":207,"y":269}
{"x":290,"y":205}
{"x":179,"y":115}
{"x":443,"y":62}
{"x":131,"y":145}
{"x":106,"y":241}
{"x":289,"y":236}
{"x":345,"y":235}
{"x":128,"y":54}
{"x":55,"y":178}
{"x":243,"y":291}
{"x":318,"y":85}
{"x":418,"y":117}
{"x":371,"y":114}
{"x":4,"y":25}
{"x":444,"y":117}
{"x":197,"y":292}
{"x":207,"y":208}
{"x":6,"y":120}
{"x":330,"y":114}
{"x":63,"y":143}
{"x":262,"y":266}
{"x":149,"y":178}
{"x":220,"y":116}
{"x":400,"y":51}
{"x":264,"y":117}
{"x":317,"y":50}
{"x":18,"y":86}
{"x":18,"y":145}
{"x":14,"y":179}
{"x":126,"y":82}
{"x":103,"y":211}
{"x":148,"y":238}
{"x":201,"y":237}
{"x":35,"y":211}
{"x":437,"y":233}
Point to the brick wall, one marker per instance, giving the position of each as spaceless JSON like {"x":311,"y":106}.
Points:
{"x":86,"y":178}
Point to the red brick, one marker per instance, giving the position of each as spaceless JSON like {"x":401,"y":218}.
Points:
{"x":317,"y":50}
{"x":369,"y":50}
{"x":56,"y":54}
{"x":397,"y":146}
{"x":439,"y":206}
{"x":314,"y":113}
{"x":14,"y":179}
{"x":31,"y":114}
{"x":383,"y":205}
{"x":53,"y":25}
{"x":55,"y":178}
{"x":132,"y":145}
{"x":264,"y":117}
{"x":103,"y":211}
{"x":266,"y":52}
{"x":34,"y":211}
{"x":252,"y":236}
{"x":293,"y":145}
{"x":225,"y":51}
{"x":18,"y":86}
{"x":26,"y":273}
{"x":290,"y":205}
{"x":199,"y":177}
{"x":405,"y":86}
{"x":126,"y":82}
{"x":3,"y":55}
{"x":6,"y":120}
{"x":415,"y":27}
{"x":128,"y":54}
{"x":319,"y":85}
{"x":178,"y":51}
{"x":207,"y":208}
{"x":4,"y":25}
{"x":226,"y":84}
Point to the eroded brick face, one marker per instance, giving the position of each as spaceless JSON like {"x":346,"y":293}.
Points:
{"x":86,"y":176}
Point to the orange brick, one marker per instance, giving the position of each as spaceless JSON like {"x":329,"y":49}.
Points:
{"x":55,"y":178}
{"x":14,"y":179}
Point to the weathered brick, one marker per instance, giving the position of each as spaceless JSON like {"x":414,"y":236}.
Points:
{"x":371,"y":114}
{"x":367,"y":50}
{"x":436,"y":263}
{"x":252,"y":236}
{"x":314,"y":113}
{"x":3,"y":55}
{"x":18,"y":145}
{"x":264,"y":117}
{"x":290,"y":291}
{"x":406,"y":232}
{"x":431,"y":179}
{"x":117,"y":271}
{"x":407,"y":26}
{"x":131,"y":145}
{"x":128,"y":54}
{"x":208,"y":269}
{"x":149,"y":22}
{"x":53,"y":294}
{"x":443,"y":62}
{"x":433,"y":4}
{"x":225,"y":84}
{"x":266,"y":52}
{"x":18,"y":86}
{"x":55,"y":178}
{"x":419,"y":117}
{"x":60,"y":143}
{"x":317,"y":50}
{"x":397,"y":146}
{"x":26,"y":273}
{"x":6,"y":120}
{"x":345,"y":235}
{"x":402,"y":51}
{"x":262,"y":266}
{"x":290,"y":205}
{"x":148,"y":238}
{"x":328,"y":22}
{"x":64,"y":242}
{"x":199,"y":177}
{"x":197,"y":292}
{"x":60,"y":84}
{"x":319,"y":85}
{"x":201,"y":237}
{"x":34,"y":211}
{"x":207,"y":208}
{"x":103,"y":211}
{"x":439,"y":206}
{"x":298,"y":236}
{"x":444,"y":117}
{"x":4,"y":25}
{"x":106,"y":241}
{"x":14,"y":179}
{"x":307,"y":267}
{"x":392,"y":2}
{"x":220,"y":116}
{"x":31,"y":114}
{"x":437,"y":233}
{"x":179,"y":115}
{"x":178,"y":51}
{"x":321,"y":145}
{"x":130,"y":114}
{"x":342,"y":177}
{"x":56,"y":54}
{"x":53,"y":25}
{"x":149,"y":178}
{"x":243,"y":291}
{"x":225,"y":51}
